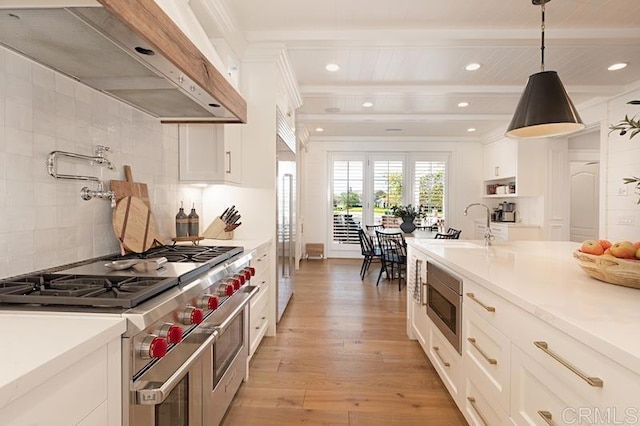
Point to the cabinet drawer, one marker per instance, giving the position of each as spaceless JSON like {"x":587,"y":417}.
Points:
{"x":486,"y":357}
{"x":446,"y":360}
{"x":500,"y":232}
{"x":480,"y":409}
{"x":492,"y":308}
{"x":593,"y":376}
{"x":258,"y":321}
{"x":539,"y":398}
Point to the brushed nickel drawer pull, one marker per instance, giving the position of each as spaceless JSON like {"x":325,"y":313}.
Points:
{"x":437,"y":351}
{"x":472,"y":296}
{"x":596,"y":382}
{"x":472,"y":401}
{"x":547,"y":417}
{"x":491,"y":361}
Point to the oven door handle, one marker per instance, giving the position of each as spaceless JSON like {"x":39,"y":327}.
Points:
{"x":224,"y":324}
{"x":157,"y":395}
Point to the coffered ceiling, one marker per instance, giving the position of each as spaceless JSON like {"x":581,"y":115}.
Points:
{"x":408,"y":57}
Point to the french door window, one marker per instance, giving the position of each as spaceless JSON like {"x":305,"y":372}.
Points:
{"x":364,"y":187}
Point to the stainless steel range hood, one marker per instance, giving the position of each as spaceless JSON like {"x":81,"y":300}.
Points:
{"x":129,"y":50}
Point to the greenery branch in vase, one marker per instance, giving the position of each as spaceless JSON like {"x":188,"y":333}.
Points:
{"x":631,"y":126}
{"x":408,"y":214}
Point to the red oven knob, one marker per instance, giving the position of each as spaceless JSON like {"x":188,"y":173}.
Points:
{"x":209,"y":302}
{"x":153,"y":347}
{"x":251,"y":269}
{"x":237,"y":283}
{"x":242,"y":278}
{"x":247,"y":273}
{"x":191,"y":315}
{"x":225,"y":289}
{"x":171,"y":332}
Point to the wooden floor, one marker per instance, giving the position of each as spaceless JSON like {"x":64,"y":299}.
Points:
{"x":342,"y":357}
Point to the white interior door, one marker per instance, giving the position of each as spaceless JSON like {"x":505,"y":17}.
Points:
{"x":584,"y":201}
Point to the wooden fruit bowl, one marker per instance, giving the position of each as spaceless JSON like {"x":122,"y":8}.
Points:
{"x":625,"y":272}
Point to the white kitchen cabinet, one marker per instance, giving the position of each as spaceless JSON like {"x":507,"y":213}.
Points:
{"x":87,"y":393}
{"x":418,"y":323}
{"x":500,"y":159}
{"x":259,"y":316}
{"x":210,"y":153}
{"x":518,"y":162}
{"x":507,"y":232}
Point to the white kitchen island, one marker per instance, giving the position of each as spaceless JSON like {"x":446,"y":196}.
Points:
{"x":60,"y":369}
{"x":542,"y":342}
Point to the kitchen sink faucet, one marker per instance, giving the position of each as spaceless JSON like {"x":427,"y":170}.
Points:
{"x":488,"y":236}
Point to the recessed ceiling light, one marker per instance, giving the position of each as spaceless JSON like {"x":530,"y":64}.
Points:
{"x":463,"y":104}
{"x":616,"y":67}
{"x":393,"y":130}
{"x":319,"y":129}
{"x":367,"y":104}
{"x":471,"y":129}
{"x":332,"y":110}
{"x":472,"y":67}
{"x":332,"y":67}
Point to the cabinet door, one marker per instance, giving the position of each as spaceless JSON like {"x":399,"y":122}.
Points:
{"x":210,"y":153}
{"x":233,"y":153}
{"x":500,"y":159}
{"x":417,"y":321}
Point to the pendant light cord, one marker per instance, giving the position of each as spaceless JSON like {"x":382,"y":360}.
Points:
{"x":542,"y":28}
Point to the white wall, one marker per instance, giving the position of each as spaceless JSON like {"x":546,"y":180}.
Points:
{"x":43,"y":221}
{"x":621,"y":157}
{"x":465,"y":174}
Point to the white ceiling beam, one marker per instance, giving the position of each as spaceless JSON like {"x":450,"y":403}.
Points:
{"x":381,"y":118}
{"x":430,"y":90}
{"x":303,"y":39}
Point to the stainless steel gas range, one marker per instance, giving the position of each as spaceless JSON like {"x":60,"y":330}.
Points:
{"x":185,"y":350}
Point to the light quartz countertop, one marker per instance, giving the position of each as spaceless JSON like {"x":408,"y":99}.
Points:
{"x":542,"y":278}
{"x":35,"y":347}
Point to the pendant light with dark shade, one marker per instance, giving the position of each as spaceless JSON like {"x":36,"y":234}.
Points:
{"x":545,"y":108}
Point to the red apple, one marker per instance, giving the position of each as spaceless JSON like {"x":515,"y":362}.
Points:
{"x":638,"y":253}
{"x":591,"y":247}
{"x":605,"y":244}
{"x":607,"y":252}
{"x":636,"y":245}
{"x":623,"y":250}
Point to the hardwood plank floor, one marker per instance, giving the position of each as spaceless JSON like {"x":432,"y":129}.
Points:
{"x":342,"y":357}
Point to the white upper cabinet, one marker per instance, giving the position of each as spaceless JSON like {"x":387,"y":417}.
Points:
{"x":500,"y":159}
{"x":210,"y":153}
{"x":514,"y":168}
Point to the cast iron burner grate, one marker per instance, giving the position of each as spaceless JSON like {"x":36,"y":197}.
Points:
{"x":53,"y":289}
{"x":194,"y":254}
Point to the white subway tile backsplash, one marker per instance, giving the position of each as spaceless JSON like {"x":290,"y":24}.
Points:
{"x":44,"y":220}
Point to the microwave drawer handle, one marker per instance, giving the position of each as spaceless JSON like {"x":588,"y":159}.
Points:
{"x":596,"y":382}
{"x":155,"y":396}
{"x":436,"y":350}
{"x":472,"y":296}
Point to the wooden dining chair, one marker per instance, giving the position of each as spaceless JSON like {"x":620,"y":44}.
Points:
{"x":393,"y":254}
{"x":374,"y":227}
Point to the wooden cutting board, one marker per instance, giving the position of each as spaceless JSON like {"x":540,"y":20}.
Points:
{"x":134,"y":225}
{"x":127,"y":187}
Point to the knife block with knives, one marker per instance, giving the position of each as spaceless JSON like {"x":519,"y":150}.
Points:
{"x":222,"y":226}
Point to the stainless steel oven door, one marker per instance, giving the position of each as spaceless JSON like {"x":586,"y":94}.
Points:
{"x":444,"y":308}
{"x":225,"y":365}
{"x":170,"y":392}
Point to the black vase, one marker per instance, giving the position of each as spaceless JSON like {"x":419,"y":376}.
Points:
{"x":407,"y":225}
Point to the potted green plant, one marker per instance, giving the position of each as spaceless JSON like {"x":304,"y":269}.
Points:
{"x":631,"y":126}
{"x":408,"y":214}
